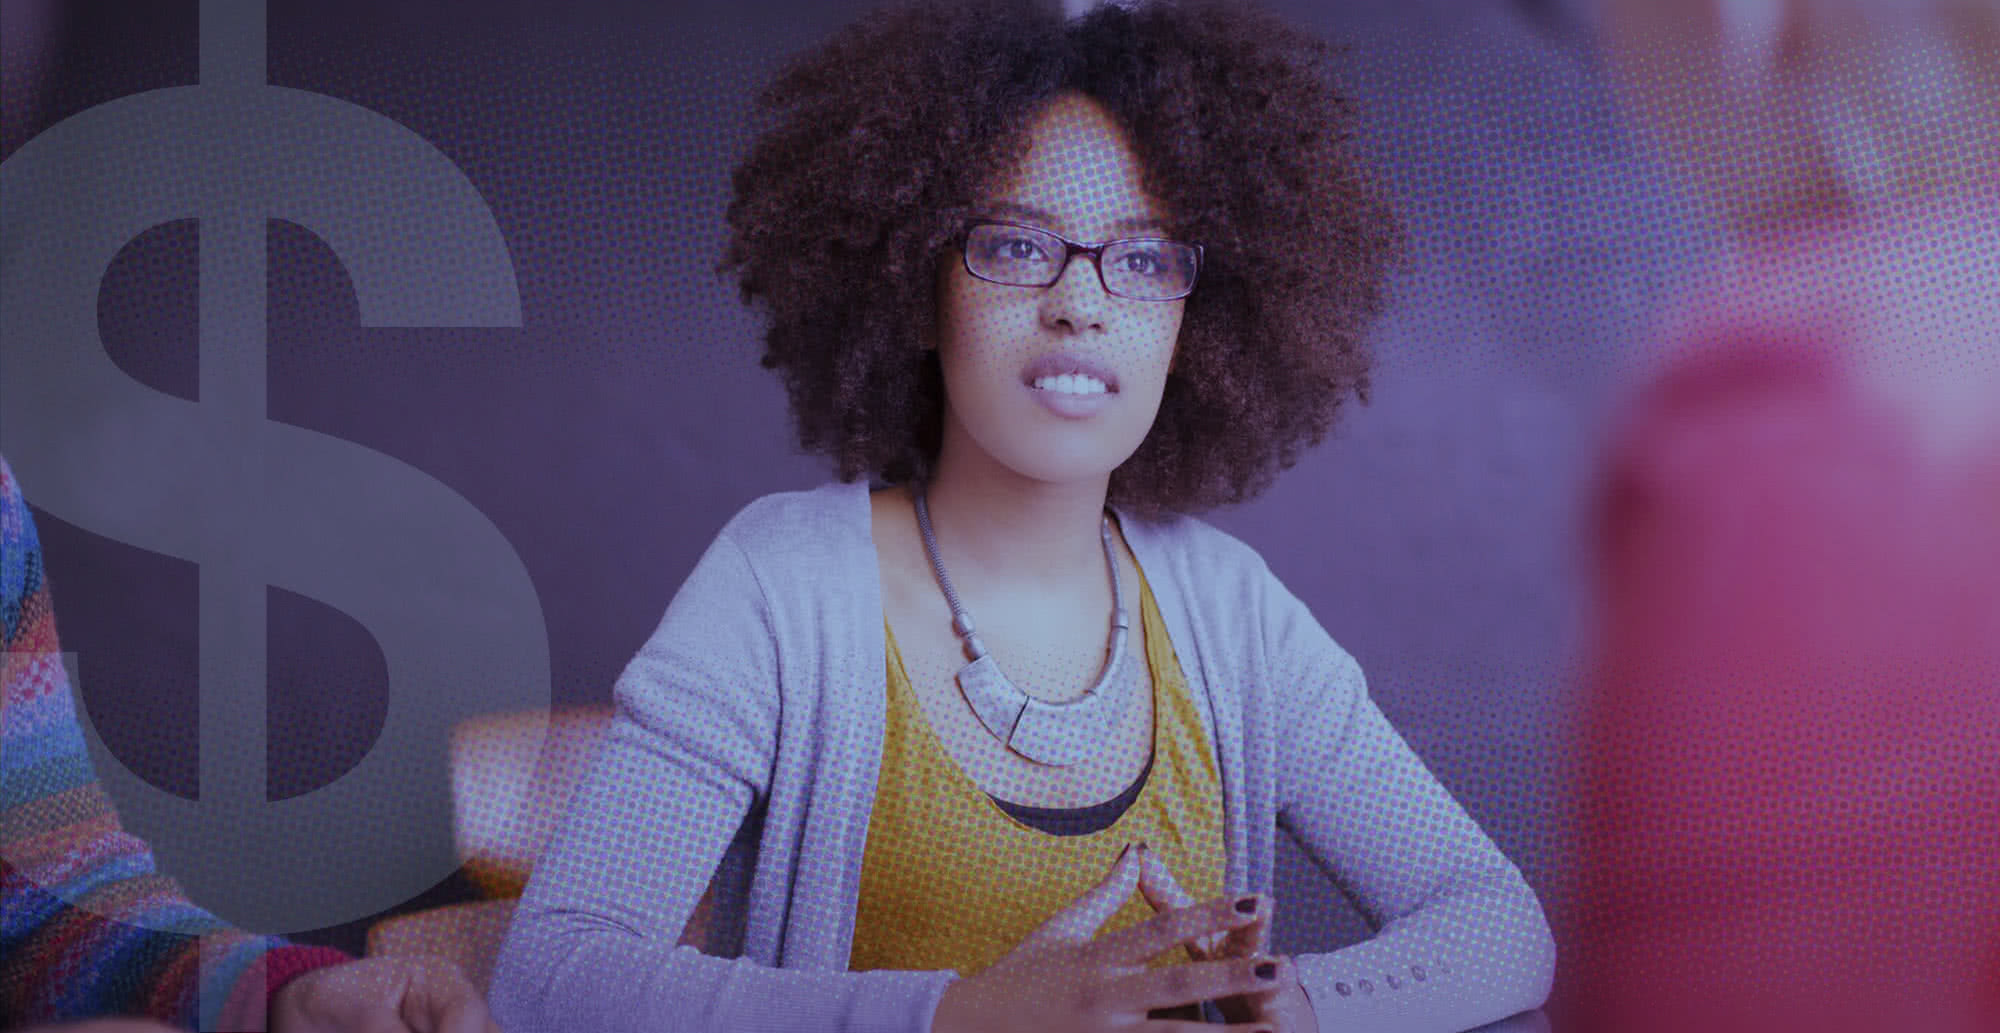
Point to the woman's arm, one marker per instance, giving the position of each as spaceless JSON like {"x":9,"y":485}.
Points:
{"x":1460,"y":938}
{"x":594,"y":945}
{"x":81,"y":905}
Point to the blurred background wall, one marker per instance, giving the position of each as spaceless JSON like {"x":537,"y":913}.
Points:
{"x":613,"y":433}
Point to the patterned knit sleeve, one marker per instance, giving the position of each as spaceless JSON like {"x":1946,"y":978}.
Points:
{"x":88,"y":927}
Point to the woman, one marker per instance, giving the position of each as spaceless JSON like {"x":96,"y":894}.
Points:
{"x":1793,"y":801}
{"x":1054,"y":284}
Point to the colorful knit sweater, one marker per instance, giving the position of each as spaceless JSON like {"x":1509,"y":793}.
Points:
{"x":81,"y":907}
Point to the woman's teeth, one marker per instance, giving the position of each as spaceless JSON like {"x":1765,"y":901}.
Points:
{"x":1072,"y":384}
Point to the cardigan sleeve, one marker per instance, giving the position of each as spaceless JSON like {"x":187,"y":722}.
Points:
{"x":84,"y":915}
{"x":1460,"y":938}
{"x":595,"y":942}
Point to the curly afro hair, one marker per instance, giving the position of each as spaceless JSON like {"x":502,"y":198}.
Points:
{"x":885,"y":137}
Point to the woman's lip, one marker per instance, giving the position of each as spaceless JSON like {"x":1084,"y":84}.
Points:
{"x":1056,"y":364}
{"x":1071,"y":406}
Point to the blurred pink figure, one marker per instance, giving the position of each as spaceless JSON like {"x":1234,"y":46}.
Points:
{"x":1794,"y":738}
{"x":1791,"y":754}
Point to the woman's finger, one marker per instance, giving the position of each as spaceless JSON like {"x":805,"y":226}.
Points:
{"x":1179,"y":985}
{"x":1158,"y":885}
{"x":1165,"y":931}
{"x":1162,"y":890}
{"x":1254,"y":938}
{"x":1080,"y":921}
{"x":1287,"y":1007}
{"x":465,"y":1014}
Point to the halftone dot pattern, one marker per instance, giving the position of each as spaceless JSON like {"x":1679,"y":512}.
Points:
{"x":1794,"y":717}
{"x":469,"y":932}
{"x":932,"y":828}
{"x":630,"y":390}
{"x":682,"y":772}
{"x":146,"y":309}
{"x":152,"y":732}
{"x":1265,"y":351}
{"x":334,"y":698}
{"x":513,"y":776}
{"x":1082,"y":178}
{"x":1074,"y":180}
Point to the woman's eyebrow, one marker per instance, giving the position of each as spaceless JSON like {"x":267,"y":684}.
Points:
{"x":1129,"y":224}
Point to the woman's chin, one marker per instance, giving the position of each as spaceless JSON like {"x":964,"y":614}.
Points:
{"x":1054,"y":467}
{"x":1064,"y":454}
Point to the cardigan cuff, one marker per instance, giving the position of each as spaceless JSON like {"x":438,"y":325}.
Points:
{"x":900,"y":1002}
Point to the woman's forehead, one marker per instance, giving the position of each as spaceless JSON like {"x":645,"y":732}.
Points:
{"x":1080,"y":177}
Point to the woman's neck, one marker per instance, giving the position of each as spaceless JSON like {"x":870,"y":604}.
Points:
{"x":1012,"y":533}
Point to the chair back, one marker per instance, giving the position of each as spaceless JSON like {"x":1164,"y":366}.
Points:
{"x":508,"y":798}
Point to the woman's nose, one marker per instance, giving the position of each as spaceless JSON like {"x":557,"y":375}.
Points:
{"x":1077,"y":300}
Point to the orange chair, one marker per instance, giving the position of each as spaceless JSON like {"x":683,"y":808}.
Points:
{"x":507,"y":797}
{"x":508,"y":800}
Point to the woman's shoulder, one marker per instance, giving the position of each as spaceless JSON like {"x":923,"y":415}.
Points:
{"x":816,"y":524}
{"x":1189,"y":546}
{"x":1223,"y":585}
{"x":1217,"y":580}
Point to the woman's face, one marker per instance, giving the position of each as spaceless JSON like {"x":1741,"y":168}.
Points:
{"x":998,"y":344}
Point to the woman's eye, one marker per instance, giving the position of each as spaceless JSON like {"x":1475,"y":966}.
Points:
{"x":1020,"y":249}
{"x":1145,"y":263}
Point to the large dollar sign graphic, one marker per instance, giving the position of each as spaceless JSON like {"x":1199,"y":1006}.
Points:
{"x":258,"y":503}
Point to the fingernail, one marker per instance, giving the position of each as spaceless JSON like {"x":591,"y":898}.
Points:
{"x":1247,"y":905}
{"x":1267,"y":970}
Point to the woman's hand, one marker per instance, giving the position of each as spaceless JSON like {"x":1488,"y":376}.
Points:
{"x":1060,"y":980}
{"x":1283,"y":1005}
{"x":382,"y":995}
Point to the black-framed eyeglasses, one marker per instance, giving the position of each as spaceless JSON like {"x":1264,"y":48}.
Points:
{"x":1141,"y":268}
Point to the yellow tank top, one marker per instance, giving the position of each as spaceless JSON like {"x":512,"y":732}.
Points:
{"x":949,"y":880}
